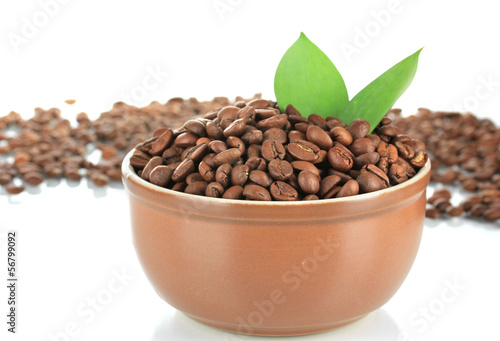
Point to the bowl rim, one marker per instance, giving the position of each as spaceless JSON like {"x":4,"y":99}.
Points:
{"x":129,"y":174}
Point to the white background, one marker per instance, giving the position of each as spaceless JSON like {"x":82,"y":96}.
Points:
{"x":74,"y":239}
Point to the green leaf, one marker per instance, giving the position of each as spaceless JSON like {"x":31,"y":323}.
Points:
{"x":307,"y":79}
{"x":373,"y":102}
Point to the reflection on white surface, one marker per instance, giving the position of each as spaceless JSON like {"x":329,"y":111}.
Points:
{"x":378,"y":325}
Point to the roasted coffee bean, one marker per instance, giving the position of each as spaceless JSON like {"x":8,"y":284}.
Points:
{"x":160,"y":175}
{"x":492,"y":213}
{"x":410,"y":171}
{"x":343,"y":176}
{"x":185,"y":168}
{"x":350,"y":188}
{"x":206,"y":171}
{"x":197,"y":188}
{"x":256,"y":163}
{"x":194,"y":177}
{"x":318,"y":121}
{"x":229,"y":156}
{"x":327,"y":184}
{"x":33,"y":178}
{"x":397,"y":174}
{"x":295,"y":135}
{"x":362,"y":146}
{"x":253,"y":151}
{"x":14,"y":189}
{"x":196,"y":127}
{"x":366,"y":159}
{"x":310,"y":197}
{"x":236,"y":128}
{"x":309,"y":182}
{"x":358,"y":128}
{"x":453,"y":211}
{"x":272,"y":150}
{"x":432,"y":213}
{"x":303,"y":150}
{"x":256,"y":192}
{"x":215,"y":190}
{"x":392,"y":154}
{"x":305,"y":166}
{"x":277,"y":121}
{"x":99,"y":179}
{"x":163,"y":142}
{"x":252,"y":137}
{"x":233,"y":192}
{"x":239,"y":175}
{"x":214,"y":131}
{"x":197,"y":152}
{"x":261,"y":178}
{"x":223,"y":175}
{"x":247,"y":113}
{"x":442,"y":204}
{"x":153,"y":162}
{"x":319,"y":137}
{"x":275,"y":134}
{"x":369,"y":182}
{"x":370,"y":168}
{"x":218,"y":146}
{"x":280,"y":169}
{"x":186,"y":140}
{"x":139,"y":161}
{"x":281,"y":191}
{"x":470,"y":201}
{"x":339,"y":160}
{"x":341,"y":135}
{"x":228,"y":112}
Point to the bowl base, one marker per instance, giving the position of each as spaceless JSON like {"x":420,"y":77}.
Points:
{"x":270,"y":331}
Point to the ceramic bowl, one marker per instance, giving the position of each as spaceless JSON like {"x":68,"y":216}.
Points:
{"x":276,"y":268}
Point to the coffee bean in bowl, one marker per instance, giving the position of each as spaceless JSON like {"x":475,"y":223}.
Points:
{"x":259,"y":216}
{"x":220,"y":143}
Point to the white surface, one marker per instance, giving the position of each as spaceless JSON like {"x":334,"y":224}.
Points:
{"x":73,"y":240}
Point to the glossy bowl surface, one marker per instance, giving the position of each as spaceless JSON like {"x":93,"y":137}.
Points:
{"x":276,"y":268}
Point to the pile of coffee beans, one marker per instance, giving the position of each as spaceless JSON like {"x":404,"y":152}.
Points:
{"x":49,"y":146}
{"x":465,"y":153}
{"x":253,"y":151}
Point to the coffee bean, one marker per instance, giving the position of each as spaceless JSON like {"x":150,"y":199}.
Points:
{"x":236,"y":128}
{"x":214,"y":131}
{"x":369,"y":182}
{"x":318,"y":121}
{"x":397,"y":174}
{"x":339,"y":160}
{"x":197,"y":152}
{"x":215,"y":190}
{"x":228,"y":112}
{"x":256,"y":192}
{"x":310,"y":197}
{"x":303,"y":150}
{"x":362,"y":146}
{"x":186,"y":140}
{"x":370,"y":168}
{"x":319,"y":137}
{"x":350,"y":188}
{"x":275,"y":134}
{"x":33,"y":178}
{"x":163,"y":142}
{"x":197,"y":188}
{"x":281,"y":191}
{"x":280,"y":169}
{"x":229,"y":156}
{"x":327,"y":184}
{"x":272,"y":150}
{"x":358,"y":128}
{"x":206,"y":172}
{"x":14,"y":189}
{"x":296,"y":135}
{"x":453,"y":211}
{"x":239,"y":175}
{"x":223,"y":175}
{"x":254,"y":163}
{"x":492,"y":213}
{"x":247,"y":113}
{"x":253,"y":137}
{"x":233,"y":192}
{"x":218,"y":146}
{"x":365,"y":159}
{"x":308,"y":182}
{"x":185,"y":168}
{"x":193,"y":177}
{"x":160,"y":175}
{"x":470,"y":201}
{"x":277,"y":121}
{"x":196,"y":127}
{"x":432,"y":213}
{"x":261,"y":178}
{"x":341,"y":135}
{"x":153,"y":162}
{"x":305,"y":166}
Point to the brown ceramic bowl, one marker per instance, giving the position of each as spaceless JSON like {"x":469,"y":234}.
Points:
{"x":276,"y":268}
